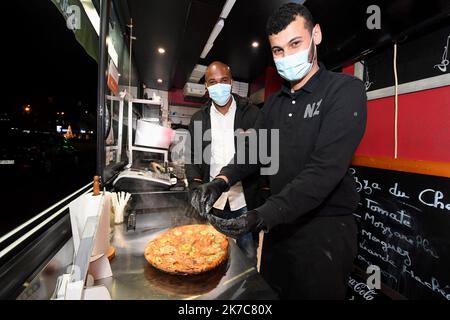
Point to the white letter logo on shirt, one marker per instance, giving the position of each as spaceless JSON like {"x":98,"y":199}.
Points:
{"x":312,"y":110}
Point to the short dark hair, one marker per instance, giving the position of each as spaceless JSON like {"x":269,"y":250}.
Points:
{"x":287,"y":13}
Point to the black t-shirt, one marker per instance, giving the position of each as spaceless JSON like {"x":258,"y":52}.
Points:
{"x":320,"y":126}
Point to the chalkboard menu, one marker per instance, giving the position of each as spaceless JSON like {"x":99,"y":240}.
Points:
{"x":404,"y":229}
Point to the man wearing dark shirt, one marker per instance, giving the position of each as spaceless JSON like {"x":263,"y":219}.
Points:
{"x":311,"y":235}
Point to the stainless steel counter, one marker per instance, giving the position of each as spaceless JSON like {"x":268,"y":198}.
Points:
{"x":135,"y":278}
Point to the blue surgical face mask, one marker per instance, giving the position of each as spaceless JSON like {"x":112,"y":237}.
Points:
{"x":220,"y":93}
{"x":296,"y":66}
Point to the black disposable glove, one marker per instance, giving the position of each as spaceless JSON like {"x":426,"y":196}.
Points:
{"x":205,"y":195}
{"x":248,"y":222}
{"x":194,"y":184}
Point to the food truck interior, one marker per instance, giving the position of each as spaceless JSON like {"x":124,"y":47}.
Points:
{"x":152,"y":56}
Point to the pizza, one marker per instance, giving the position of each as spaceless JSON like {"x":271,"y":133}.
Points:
{"x":189,"y":249}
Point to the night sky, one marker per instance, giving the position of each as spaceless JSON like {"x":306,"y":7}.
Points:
{"x":45,"y":66}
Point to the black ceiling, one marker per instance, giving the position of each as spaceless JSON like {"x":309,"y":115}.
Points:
{"x":182,"y":27}
{"x":344,"y":25}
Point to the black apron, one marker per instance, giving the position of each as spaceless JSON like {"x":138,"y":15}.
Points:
{"x":310,"y":259}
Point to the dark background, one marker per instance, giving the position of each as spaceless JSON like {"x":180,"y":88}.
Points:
{"x":44,"y":67}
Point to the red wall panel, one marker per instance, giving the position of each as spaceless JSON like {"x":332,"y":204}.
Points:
{"x":423,"y":126}
{"x":349,"y":69}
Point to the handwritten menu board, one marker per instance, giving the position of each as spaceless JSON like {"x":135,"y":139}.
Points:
{"x":404,"y":228}
{"x":359,"y":291}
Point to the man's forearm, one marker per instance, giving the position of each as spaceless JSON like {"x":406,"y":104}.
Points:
{"x":233,"y":173}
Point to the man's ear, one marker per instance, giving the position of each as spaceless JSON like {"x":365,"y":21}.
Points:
{"x":317,"y":35}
